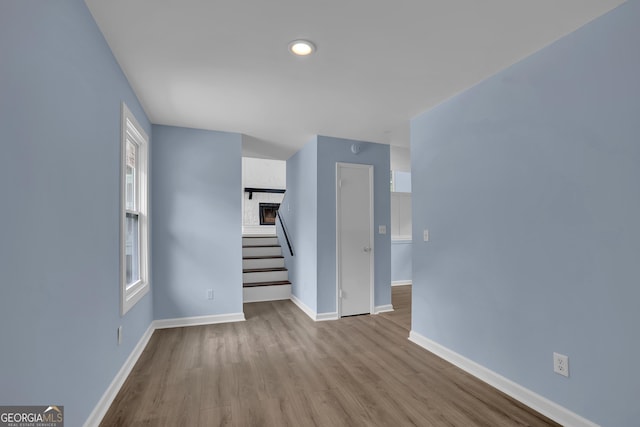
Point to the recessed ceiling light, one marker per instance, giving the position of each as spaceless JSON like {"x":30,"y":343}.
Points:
{"x":301,"y":47}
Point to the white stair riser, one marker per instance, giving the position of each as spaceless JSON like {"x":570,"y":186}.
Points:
{"x":266,"y":293}
{"x":262,"y":251}
{"x":259,"y":241}
{"x":265,"y":276}
{"x":258,"y":230}
{"x":263,"y":263}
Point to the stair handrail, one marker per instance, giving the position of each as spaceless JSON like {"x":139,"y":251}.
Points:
{"x":284,"y":230}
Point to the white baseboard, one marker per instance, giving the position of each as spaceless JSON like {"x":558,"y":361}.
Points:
{"x":317,"y":317}
{"x":401,"y":282}
{"x":533,"y":400}
{"x":382,"y":308}
{"x":107,"y":398}
{"x":320,"y":317}
{"x":198,"y":320}
{"x":304,"y":307}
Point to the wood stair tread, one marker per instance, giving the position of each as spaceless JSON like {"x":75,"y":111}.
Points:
{"x":264,"y":257}
{"x":275,"y":283}
{"x":259,"y":236}
{"x":263,"y":269}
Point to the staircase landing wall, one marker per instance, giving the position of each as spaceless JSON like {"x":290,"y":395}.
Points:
{"x":196,"y":222}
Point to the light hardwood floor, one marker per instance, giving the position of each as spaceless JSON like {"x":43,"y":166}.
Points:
{"x":279,"y":368}
{"x":401,"y":301}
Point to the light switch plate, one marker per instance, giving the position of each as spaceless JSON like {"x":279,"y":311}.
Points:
{"x":382,"y":229}
{"x":426,"y":235}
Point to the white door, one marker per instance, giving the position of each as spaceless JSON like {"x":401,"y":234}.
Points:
{"x":354,"y":238}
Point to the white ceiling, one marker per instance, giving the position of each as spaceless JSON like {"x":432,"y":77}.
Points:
{"x":224,"y":65}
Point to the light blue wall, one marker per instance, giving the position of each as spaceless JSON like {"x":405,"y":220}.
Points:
{"x":299,"y":210}
{"x":197,"y":222}
{"x":402,"y":181}
{"x":401,"y":257}
{"x":529,"y":185}
{"x":60,"y":97}
{"x":330,"y":151}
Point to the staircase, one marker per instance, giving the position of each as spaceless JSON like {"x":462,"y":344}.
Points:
{"x":264,"y":276}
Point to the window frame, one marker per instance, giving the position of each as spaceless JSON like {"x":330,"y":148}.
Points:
{"x":130,"y":294}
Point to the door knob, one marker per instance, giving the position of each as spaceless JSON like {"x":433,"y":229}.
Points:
{"x":366,"y":249}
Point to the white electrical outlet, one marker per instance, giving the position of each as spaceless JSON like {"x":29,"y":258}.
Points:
{"x":425,"y":235}
{"x":119,"y":334}
{"x":209,"y":293}
{"x":561,"y":364}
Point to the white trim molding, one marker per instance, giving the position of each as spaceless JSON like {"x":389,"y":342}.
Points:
{"x":533,"y":400}
{"x":133,"y":135}
{"x":304,"y":307}
{"x":382,"y":308}
{"x":401,"y":282}
{"x":110,"y":393}
{"x":321,"y":317}
{"x":316,"y":317}
{"x":198,"y":320}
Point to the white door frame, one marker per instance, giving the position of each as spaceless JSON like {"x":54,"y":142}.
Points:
{"x":371,"y":235}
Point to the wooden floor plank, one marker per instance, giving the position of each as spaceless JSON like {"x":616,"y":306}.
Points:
{"x":280,"y":368}
{"x":401,"y":301}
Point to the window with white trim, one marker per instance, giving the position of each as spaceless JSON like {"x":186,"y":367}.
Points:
{"x":134,"y":224}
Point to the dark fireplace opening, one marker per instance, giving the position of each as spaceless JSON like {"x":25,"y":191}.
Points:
{"x":268,"y":213}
